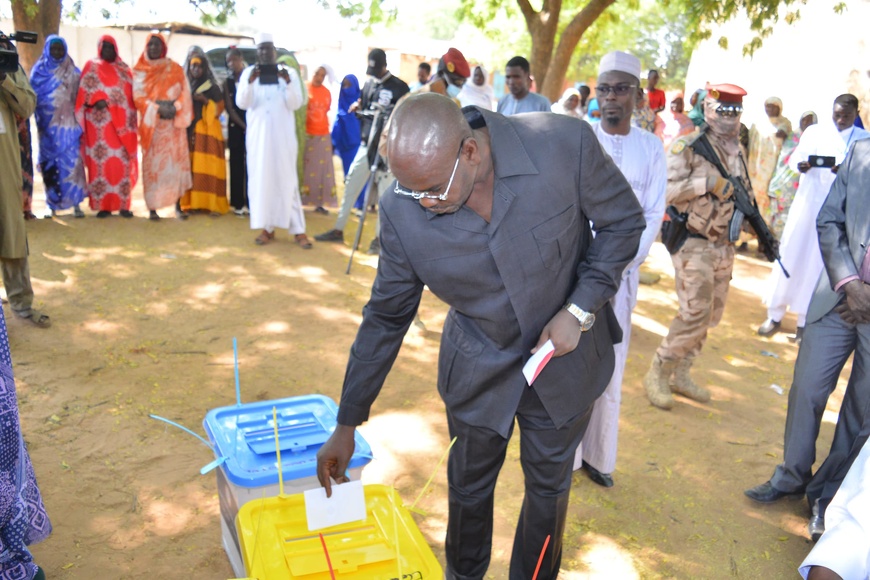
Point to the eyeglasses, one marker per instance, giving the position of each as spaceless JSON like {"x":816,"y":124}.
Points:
{"x":729,"y":110}
{"x":401,"y":190}
{"x":618,"y":90}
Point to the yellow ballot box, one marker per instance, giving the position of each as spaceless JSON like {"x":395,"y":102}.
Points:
{"x":277,"y":544}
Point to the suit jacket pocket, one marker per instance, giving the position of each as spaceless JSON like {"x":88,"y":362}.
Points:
{"x":553,"y":238}
{"x":457,"y":361}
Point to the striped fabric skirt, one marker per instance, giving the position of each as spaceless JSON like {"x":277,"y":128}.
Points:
{"x":208,"y":165}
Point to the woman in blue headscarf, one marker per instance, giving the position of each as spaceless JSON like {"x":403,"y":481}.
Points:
{"x":55,"y":80}
{"x":697,"y":102}
{"x":345,"y":130}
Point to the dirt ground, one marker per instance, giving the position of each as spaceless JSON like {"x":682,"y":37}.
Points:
{"x":144,"y":315}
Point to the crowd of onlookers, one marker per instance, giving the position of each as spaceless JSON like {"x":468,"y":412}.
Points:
{"x":92,"y":123}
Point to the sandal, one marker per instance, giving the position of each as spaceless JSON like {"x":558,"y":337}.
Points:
{"x":264,"y":238}
{"x":152,"y":216}
{"x":36,"y":318}
{"x":80,"y":214}
{"x":303,"y":241}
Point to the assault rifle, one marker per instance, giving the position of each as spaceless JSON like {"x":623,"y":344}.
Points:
{"x":745,"y":205}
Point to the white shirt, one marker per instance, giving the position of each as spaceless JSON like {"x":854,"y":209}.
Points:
{"x":641,"y":158}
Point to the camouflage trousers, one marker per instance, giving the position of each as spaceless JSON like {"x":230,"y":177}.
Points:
{"x":703,"y":274}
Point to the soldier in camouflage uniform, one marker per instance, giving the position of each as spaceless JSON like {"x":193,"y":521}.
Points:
{"x":703,"y":264}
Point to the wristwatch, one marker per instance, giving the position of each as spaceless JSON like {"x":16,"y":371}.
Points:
{"x":586,"y":319}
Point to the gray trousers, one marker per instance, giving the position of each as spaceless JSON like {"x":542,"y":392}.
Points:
{"x":16,"y":280}
{"x":853,"y":427}
{"x":825,"y":348}
{"x":546,"y":455}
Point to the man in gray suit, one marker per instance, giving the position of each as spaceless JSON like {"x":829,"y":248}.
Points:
{"x":493,"y":215}
{"x":838,"y":323}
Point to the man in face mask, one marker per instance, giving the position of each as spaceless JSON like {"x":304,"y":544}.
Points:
{"x":450,"y":77}
{"x":703,"y":264}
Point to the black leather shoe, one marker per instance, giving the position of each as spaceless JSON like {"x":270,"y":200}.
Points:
{"x":769,"y":328}
{"x":330,"y":236}
{"x":766,"y":493}
{"x":602,"y":479}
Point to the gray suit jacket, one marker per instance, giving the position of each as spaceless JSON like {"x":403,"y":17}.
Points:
{"x":505,"y":279}
{"x":844,"y":228}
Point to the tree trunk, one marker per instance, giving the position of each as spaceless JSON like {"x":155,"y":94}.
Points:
{"x":39,"y":16}
{"x":548,"y":66}
{"x":542,"y":28}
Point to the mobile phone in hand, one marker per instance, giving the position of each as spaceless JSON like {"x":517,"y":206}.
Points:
{"x":822,"y":161}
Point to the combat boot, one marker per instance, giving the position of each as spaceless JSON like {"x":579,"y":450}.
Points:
{"x":682,"y":383}
{"x":656,"y":383}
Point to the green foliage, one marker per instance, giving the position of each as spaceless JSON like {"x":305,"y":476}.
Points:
{"x":31,"y":7}
{"x":365,"y":13}
{"x":657,"y":34}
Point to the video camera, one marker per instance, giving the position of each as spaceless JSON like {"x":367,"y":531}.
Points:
{"x":9,"y":57}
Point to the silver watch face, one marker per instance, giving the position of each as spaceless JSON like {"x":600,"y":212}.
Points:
{"x":586,"y":319}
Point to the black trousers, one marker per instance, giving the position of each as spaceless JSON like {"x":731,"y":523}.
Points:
{"x":238,"y":175}
{"x":546,"y":455}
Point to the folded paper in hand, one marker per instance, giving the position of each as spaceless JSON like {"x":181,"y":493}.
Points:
{"x":538,"y":361}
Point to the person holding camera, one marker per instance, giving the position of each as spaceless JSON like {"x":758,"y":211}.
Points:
{"x":379,"y":95}
{"x":702,"y":265}
{"x":162,"y":96}
{"x":16,"y":98}
{"x":817,"y":157}
{"x":270,"y":94}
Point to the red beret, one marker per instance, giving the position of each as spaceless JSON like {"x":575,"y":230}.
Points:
{"x":456,"y":63}
{"x":726,"y":93}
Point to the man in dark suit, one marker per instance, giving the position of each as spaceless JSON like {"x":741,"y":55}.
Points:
{"x":493,"y":215}
{"x":838,"y":323}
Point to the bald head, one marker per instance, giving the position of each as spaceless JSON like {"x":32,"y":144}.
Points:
{"x":425,"y":128}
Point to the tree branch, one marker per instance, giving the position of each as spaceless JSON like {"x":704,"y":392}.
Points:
{"x":572,"y":34}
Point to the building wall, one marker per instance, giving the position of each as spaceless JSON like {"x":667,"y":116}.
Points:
{"x":82,"y":42}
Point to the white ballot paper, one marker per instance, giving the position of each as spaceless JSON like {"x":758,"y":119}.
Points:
{"x":538,"y":361}
{"x":347,"y":504}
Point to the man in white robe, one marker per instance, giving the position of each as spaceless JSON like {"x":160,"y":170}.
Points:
{"x":843,"y":551}
{"x":799,"y":246}
{"x":640,"y":157}
{"x":270,"y":140}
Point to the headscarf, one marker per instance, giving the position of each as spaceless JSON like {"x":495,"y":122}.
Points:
{"x":206,"y":84}
{"x":112,"y":82}
{"x":345,"y":130}
{"x":56,"y":84}
{"x":49,"y":75}
{"x":560,"y":105}
{"x":697,"y":112}
{"x":480,"y":96}
{"x":808,"y":114}
{"x":207,"y":70}
{"x":301,"y":113}
{"x":780,"y":122}
{"x":157,"y":80}
{"x":592,"y":107}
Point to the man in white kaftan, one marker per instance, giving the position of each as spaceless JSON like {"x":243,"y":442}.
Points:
{"x":270,"y":139}
{"x":640,"y":156}
{"x":799,"y":246}
{"x":844,"y":548}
